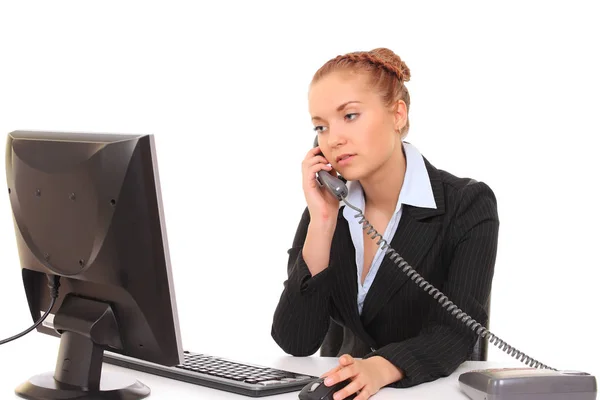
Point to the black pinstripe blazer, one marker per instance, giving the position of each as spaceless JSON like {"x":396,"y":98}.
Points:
{"x":453,"y":247}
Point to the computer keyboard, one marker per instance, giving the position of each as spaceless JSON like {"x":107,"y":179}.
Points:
{"x":220,"y":373}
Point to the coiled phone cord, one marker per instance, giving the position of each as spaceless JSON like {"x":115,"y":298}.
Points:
{"x":448,"y":305}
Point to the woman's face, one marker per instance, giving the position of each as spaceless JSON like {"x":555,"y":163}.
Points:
{"x":356,"y":132}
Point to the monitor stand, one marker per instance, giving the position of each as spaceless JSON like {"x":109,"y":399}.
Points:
{"x":87,"y":327}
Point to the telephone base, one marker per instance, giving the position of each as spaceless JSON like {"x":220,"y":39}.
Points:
{"x":528,"y":384}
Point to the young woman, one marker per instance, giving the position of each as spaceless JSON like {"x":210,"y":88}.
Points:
{"x":445,"y":227}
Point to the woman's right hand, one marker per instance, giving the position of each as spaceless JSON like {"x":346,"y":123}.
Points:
{"x":322,"y":204}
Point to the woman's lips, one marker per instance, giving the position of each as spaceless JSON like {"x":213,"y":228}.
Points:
{"x":345,"y":159}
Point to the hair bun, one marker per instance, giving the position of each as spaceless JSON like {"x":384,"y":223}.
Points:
{"x":392,"y":58}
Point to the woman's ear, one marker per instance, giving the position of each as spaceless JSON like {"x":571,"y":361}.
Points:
{"x":400,"y":115}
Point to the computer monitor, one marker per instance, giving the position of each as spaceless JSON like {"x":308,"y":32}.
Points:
{"x":87,"y":208}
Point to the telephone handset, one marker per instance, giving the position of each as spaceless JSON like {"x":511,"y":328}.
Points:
{"x":336,"y":186}
{"x":490,"y":384}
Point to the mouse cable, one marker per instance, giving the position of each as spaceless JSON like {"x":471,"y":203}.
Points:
{"x":53,"y":284}
{"x":456,"y":312}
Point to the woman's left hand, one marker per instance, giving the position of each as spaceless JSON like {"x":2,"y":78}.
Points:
{"x":368,"y":376}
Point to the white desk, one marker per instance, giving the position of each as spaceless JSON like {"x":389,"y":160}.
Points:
{"x":37,"y":354}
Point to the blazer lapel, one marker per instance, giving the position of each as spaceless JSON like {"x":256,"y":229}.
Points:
{"x":413,"y":238}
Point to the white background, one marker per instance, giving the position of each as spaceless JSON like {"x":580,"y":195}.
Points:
{"x":506,"y":93}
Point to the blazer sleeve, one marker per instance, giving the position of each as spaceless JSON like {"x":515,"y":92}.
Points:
{"x":445,"y":342}
{"x":301,"y":318}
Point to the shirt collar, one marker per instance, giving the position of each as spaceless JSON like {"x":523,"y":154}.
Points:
{"x":416,"y":188}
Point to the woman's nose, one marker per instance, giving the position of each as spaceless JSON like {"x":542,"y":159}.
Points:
{"x":335,"y":138}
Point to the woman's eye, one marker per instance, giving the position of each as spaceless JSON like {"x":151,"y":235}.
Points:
{"x":351,"y":116}
{"x":319,"y":129}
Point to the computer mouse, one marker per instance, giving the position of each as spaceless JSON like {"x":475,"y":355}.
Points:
{"x":317,"y":390}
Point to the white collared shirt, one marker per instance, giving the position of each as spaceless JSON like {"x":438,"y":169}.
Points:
{"x":416,"y":191}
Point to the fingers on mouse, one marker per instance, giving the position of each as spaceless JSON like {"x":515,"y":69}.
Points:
{"x":317,"y":390}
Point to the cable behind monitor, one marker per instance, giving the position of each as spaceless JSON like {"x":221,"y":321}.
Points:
{"x":54,"y":284}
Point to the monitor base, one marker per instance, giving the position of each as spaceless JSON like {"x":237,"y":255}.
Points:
{"x":86,"y":328}
{"x":112,"y":387}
